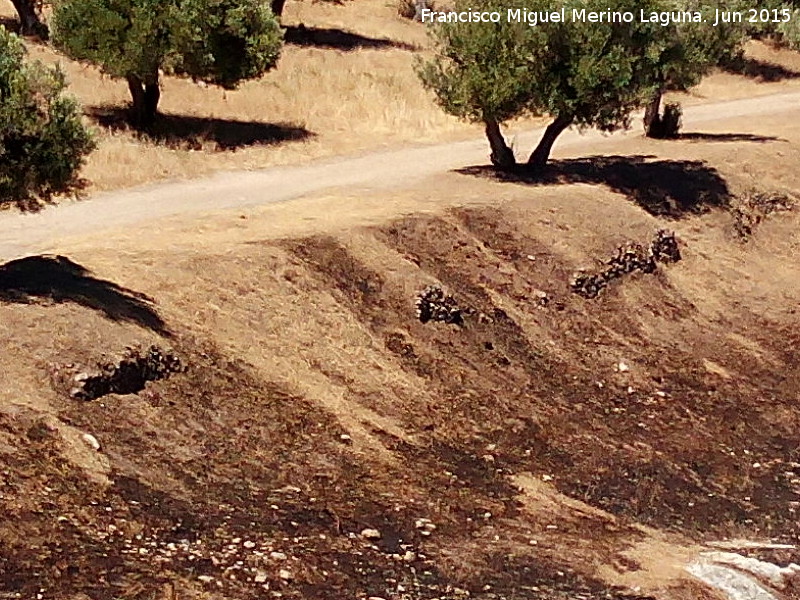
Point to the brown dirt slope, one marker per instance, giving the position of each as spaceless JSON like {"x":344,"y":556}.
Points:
{"x":506,"y":458}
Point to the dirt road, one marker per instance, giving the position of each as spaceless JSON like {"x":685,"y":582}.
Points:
{"x":22,"y":234}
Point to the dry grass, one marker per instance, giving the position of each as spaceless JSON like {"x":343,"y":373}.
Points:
{"x":312,"y":297}
{"x":342,"y":100}
{"x":320,"y":101}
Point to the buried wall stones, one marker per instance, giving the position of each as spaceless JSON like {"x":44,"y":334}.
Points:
{"x":628,"y":258}
{"x":125,"y":375}
{"x":434,"y":305}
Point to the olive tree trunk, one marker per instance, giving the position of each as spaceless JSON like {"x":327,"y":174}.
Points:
{"x":541,"y":154}
{"x":502,"y":156}
{"x":145,"y":94}
{"x":277,"y":7}
{"x":30,"y":24}
{"x":652,"y":116}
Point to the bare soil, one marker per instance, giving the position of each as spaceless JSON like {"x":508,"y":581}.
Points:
{"x":510,"y":457}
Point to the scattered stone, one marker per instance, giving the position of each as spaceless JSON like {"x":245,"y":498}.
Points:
{"x":628,"y":258}
{"x":542,"y":299}
{"x":434,"y":305}
{"x":285,"y":575}
{"x":260,"y":576}
{"x":623,"y":367}
{"x":371,"y":534}
{"x":126,"y":375}
{"x":277,"y":556}
{"x":91,"y":441}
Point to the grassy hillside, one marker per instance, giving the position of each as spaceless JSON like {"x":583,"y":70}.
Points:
{"x":345,"y":83}
{"x":511,"y":457}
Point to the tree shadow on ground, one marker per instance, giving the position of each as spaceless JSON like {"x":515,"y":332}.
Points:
{"x":338,"y":39}
{"x":665,"y":188}
{"x":728,"y":137}
{"x":194,"y":132}
{"x":58,"y":279}
{"x":758,"y":69}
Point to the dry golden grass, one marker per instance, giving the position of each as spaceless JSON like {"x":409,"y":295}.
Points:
{"x":318,"y":102}
{"x":332,"y":101}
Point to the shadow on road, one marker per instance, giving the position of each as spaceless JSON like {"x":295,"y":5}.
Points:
{"x":58,"y":279}
{"x":666,"y":188}
{"x":181,"y":130}
{"x":729,"y":137}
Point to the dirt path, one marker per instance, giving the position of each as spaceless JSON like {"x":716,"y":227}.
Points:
{"x":22,"y":234}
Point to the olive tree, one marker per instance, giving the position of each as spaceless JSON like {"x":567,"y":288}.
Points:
{"x":580,"y":73}
{"x":43,"y":142}
{"x":220,"y":42}
{"x":688,"y":51}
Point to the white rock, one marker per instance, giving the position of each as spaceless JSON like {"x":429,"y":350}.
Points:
{"x":371,"y":534}
{"x":261,"y":576}
{"x":277,"y":556}
{"x":91,"y":441}
{"x":285,"y":575}
{"x":623,"y":367}
{"x":249,"y":544}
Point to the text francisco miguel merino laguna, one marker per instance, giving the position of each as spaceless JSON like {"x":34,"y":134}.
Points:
{"x":582,"y":15}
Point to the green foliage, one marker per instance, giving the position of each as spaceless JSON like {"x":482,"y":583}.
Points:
{"x":42,"y":139}
{"x":224,"y":42}
{"x":581,"y":73}
{"x":482,"y":71}
{"x":690,"y":50}
{"x":221,"y":42}
{"x":123,"y":37}
{"x":789,"y":32}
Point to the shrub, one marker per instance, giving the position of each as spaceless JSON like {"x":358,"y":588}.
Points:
{"x":43,"y":142}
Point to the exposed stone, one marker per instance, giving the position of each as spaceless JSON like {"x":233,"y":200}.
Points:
{"x":371,"y":534}
{"x":91,"y":441}
{"x":127,"y":374}
{"x":434,"y":305}
{"x":628,"y":258}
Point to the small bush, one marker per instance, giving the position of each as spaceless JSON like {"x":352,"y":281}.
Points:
{"x":410,"y":9}
{"x":756,"y":205}
{"x":43,"y":142}
{"x":407,"y":9}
